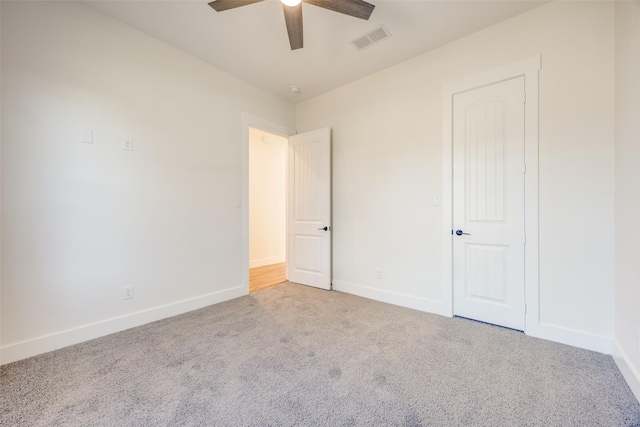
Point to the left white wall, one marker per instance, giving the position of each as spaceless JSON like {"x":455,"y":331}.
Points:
{"x":81,"y":221}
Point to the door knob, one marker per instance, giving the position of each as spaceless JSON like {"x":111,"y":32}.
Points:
{"x":460,"y":233}
{"x":325,"y":228}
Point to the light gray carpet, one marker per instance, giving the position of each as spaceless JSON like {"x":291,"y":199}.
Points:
{"x":292,"y":355}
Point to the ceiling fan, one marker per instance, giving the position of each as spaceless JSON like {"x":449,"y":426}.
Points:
{"x":293,"y":12}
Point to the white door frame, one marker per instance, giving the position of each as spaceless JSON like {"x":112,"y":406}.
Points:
{"x":249,"y":120}
{"x":528,"y":68}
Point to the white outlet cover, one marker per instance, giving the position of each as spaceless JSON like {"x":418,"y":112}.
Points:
{"x":127,"y":144}
{"x":128,"y":292}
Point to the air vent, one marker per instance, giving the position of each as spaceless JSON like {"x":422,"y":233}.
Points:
{"x":372,"y":37}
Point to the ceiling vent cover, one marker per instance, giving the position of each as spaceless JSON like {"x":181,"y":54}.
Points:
{"x":372,"y":37}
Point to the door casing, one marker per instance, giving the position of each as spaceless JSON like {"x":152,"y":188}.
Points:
{"x":528,"y":68}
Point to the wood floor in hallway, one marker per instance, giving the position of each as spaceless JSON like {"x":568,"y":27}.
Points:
{"x":266,"y":276}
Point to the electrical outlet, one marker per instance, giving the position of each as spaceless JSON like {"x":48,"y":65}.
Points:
{"x":378,"y":274}
{"x":127,"y":292}
{"x":127,"y":144}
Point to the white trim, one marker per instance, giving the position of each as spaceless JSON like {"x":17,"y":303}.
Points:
{"x":630,"y":374}
{"x":22,"y":350}
{"x":249,"y":120}
{"x":525,"y":67}
{"x":267,"y":261}
{"x":572,"y":337}
{"x":528,"y":68}
{"x":395,"y":298}
{"x":447,"y":199}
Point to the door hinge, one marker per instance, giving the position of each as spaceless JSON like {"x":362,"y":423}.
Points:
{"x":525,"y":237}
{"x":524,"y":168}
{"x":525,"y":309}
{"x":524,"y":98}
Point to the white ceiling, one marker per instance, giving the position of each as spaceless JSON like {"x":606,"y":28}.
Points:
{"x":251,"y":41}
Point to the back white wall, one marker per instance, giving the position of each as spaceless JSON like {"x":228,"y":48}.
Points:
{"x":267,"y":198}
{"x":387,"y":142}
{"x":81,"y":221}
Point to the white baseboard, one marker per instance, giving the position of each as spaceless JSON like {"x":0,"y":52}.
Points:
{"x":629,"y":372}
{"x":549,"y":332}
{"x":545,"y":331}
{"x":403,"y":300}
{"x":571,"y":337}
{"x":266,"y":261}
{"x":33,"y":347}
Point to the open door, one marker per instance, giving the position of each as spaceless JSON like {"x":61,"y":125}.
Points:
{"x":309,"y":209}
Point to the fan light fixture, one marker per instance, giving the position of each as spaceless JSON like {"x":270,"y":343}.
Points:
{"x":293,"y":12}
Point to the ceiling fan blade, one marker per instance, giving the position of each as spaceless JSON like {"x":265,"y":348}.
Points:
{"x":293,"y":18}
{"x":357,"y":8}
{"x":221,"y":5}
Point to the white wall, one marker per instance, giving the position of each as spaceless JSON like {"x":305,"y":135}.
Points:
{"x":627,"y":191}
{"x":387,"y":133}
{"x":267,"y":198}
{"x":1,"y":118}
{"x":81,"y":221}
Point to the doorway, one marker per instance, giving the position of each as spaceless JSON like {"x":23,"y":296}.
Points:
{"x":480,"y":270}
{"x":267,"y":208}
{"x":488,"y":204}
{"x":308,"y":256}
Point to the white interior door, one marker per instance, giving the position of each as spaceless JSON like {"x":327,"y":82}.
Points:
{"x":309,"y":209}
{"x":488,"y":204}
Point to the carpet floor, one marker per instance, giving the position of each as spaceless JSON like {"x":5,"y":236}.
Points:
{"x":292,"y":355}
